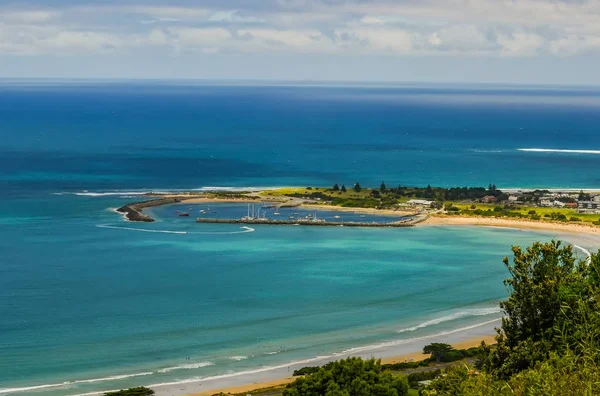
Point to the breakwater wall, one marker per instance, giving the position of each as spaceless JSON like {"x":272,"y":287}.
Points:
{"x":397,"y":224}
{"x":133,"y":211}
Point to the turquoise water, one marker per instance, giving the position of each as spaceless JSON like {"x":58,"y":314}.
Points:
{"x":87,"y":304}
{"x":94,"y":303}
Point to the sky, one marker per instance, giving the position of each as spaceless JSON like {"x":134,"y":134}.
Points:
{"x":461,"y":41}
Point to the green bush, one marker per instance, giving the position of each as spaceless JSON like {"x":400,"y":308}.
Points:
{"x":139,"y":391}
{"x":352,"y":376}
{"x":413,"y":379}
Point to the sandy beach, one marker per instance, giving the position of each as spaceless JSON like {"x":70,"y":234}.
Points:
{"x":511,"y":223}
{"x":415,"y":356}
{"x":400,"y":350}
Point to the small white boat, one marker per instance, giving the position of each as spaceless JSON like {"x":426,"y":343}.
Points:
{"x":275,"y":214}
{"x":336,"y":217}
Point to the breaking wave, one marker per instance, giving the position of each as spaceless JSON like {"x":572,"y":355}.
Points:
{"x":189,"y":366}
{"x":454,"y":316}
{"x":69,"y":383}
{"x":568,"y":151}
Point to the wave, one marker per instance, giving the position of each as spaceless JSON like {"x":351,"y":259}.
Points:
{"x":261,"y":369}
{"x":568,"y":151}
{"x":486,"y":151}
{"x":238,"y":358}
{"x":236,"y":189}
{"x":586,"y":252}
{"x":69,"y":383}
{"x":108,"y":194}
{"x":409,"y":340}
{"x":454,"y":316}
{"x":322,"y":358}
{"x":245,"y":230}
{"x":190,"y":366}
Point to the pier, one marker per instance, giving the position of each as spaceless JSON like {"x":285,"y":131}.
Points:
{"x":307,"y":222}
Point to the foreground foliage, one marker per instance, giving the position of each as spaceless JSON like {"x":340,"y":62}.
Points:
{"x":549,"y":343}
{"x":349,"y":377}
{"x":139,"y":391}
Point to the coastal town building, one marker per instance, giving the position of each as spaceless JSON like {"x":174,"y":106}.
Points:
{"x":588,"y":207}
{"x":421,"y":202}
{"x":488,"y":199}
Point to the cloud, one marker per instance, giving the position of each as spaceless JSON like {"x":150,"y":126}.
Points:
{"x":516,"y":28}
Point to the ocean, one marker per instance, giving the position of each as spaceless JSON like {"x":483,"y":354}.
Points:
{"x":89,"y":302}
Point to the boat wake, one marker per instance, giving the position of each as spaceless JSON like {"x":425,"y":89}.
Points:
{"x":139,"y":229}
{"x":567,"y":151}
{"x":114,"y":227}
{"x":454,"y":316}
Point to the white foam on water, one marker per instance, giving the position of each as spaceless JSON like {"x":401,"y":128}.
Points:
{"x":454,"y":316}
{"x":245,"y":230}
{"x":585,"y":251}
{"x":189,"y":366}
{"x":344,"y":353}
{"x":321,"y":358}
{"x":568,"y":151}
{"x":70,"y":383}
{"x":238,"y":358}
{"x":139,"y":229}
{"x":235,"y":189}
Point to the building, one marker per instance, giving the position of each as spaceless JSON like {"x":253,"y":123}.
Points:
{"x":572,"y":205}
{"x":588,"y":205}
{"x":421,"y":202}
{"x":488,"y":199}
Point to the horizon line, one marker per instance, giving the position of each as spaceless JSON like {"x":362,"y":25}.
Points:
{"x":289,"y":82}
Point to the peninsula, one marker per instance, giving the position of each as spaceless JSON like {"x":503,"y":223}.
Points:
{"x":568,"y":211}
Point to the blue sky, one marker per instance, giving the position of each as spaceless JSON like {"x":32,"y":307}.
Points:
{"x":504,"y":41}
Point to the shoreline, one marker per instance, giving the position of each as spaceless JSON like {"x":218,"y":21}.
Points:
{"x":530,"y":225}
{"x":416,"y":356}
{"x":392,"y":351}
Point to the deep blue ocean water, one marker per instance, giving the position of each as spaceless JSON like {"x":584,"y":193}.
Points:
{"x":87,"y":297}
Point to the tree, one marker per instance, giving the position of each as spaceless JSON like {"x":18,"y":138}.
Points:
{"x":428,"y":191}
{"x":336,"y":187}
{"x":437,"y":350}
{"x":357,"y":187}
{"x":352,"y":376}
{"x":583,"y":196}
{"x":343,"y":189}
{"x":382,"y":187}
{"x":545,"y":280}
{"x":139,"y":391}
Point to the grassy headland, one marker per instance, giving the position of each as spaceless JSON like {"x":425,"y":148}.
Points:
{"x":540,"y":206}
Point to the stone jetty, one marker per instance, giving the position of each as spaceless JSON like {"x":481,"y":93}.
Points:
{"x":133,"y":211}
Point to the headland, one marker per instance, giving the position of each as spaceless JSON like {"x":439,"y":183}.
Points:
{"x":542,"y":210}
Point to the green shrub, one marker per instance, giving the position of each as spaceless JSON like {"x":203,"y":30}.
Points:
{"x":139,"y":391}
{"x":352,"y":376}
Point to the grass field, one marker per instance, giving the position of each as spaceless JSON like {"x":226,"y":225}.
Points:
{"x":469,"y":209}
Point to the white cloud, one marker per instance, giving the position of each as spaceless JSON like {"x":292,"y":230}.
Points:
{"x":469,"y":27}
